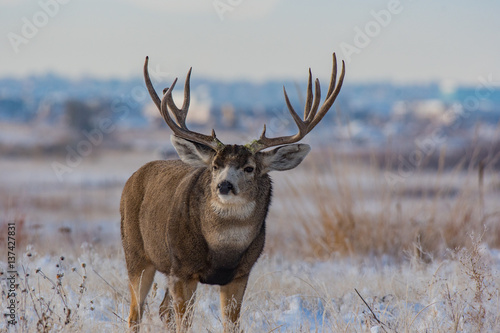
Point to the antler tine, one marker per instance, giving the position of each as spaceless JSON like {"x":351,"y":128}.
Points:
{"x":164,"y":109}
{"x":181,"y":114}
{"x":185,"y":103}
{"x":327,"y":104}
{"x":295,"y":116}
{"x":182,"y":131}
{"x":317,"y":97}
{"x":149,"y":85}
{"x":179,"y":128}
{"x":311,"y":114}
{"x":333,"y":77}
{"x":309,"y":98}
{"x":265,"y":142}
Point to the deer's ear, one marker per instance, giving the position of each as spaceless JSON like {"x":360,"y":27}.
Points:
{"x":192,"y":153}
{"x":284,"y":157}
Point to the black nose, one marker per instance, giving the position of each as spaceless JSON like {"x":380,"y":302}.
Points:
{"x":225,"y":187}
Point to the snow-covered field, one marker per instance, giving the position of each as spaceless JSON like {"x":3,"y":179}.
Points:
{"x":89,"y":293}
{"x":423,"y":256}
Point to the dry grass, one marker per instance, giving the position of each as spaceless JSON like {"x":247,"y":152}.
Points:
{"x":352,"y":210}
{"x":89,"y":293}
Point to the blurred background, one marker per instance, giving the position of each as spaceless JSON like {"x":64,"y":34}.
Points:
{"x":421,"y":96}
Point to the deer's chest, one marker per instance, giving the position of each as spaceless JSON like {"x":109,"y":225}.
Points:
{"x":227,"y":245}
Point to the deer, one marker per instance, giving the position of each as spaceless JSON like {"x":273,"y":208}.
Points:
{"x":202,"y":218}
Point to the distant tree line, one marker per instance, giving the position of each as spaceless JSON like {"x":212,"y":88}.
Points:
{"x":84,"y":116}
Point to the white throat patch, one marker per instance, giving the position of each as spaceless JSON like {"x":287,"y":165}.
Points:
{"x":235,"y":237}
{"x":236,"y":210}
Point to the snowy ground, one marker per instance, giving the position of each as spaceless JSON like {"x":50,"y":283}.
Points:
{"x":282,"y":295}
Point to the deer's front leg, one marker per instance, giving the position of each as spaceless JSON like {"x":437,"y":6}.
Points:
{"x":182,"y":293}
{"x":231,"y":297}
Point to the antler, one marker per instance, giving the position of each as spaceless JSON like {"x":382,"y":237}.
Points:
{"x":180,"y":129}
{"x":311,"y":115}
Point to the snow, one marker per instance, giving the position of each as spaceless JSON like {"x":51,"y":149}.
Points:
{"x":282,"y":295}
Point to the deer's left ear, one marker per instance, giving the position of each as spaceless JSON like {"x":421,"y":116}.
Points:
{"x":284,"y":157}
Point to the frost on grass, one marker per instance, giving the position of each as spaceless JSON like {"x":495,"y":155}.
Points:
{"x":57,"y":293}
{"x":89,"y":293}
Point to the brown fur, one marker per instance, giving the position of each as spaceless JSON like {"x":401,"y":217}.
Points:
{"x":167,"y":218}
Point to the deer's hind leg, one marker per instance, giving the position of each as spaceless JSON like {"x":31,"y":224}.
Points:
{"x":141,"y":280}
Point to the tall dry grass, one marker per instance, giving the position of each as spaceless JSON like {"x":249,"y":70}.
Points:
{"x":347,"y":207}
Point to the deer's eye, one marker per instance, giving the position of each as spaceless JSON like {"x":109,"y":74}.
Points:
{"x":215,"y":168}
{"x":248,"y":169}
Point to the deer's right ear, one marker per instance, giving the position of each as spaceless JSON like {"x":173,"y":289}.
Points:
{"x":192,"y":153}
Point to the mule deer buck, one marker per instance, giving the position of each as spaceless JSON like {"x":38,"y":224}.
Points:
{"x":202,"y":218}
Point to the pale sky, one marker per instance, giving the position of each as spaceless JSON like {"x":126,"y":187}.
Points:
{"x":422,"y":40}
